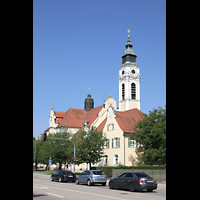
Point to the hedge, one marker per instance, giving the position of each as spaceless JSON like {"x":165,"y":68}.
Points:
{"x":108,"y":169}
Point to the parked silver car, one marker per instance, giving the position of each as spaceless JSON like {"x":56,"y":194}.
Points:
{"x":90,"y":177}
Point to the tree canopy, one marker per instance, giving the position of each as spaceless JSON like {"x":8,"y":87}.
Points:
{"x":89,"y":145}
{"x":60,"y":151}
{"x":151,"y":136}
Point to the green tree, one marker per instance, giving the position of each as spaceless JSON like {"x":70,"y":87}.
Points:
{"x":60,"y":151}
{"x":151,"y":136}
{"x":89,"y":146}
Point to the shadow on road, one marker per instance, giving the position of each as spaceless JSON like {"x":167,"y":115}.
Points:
{"x":38,"y":195}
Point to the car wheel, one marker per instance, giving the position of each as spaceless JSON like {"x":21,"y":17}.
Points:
{"x":132,"y":188}
{"x":60,"y":179}
{"x":52,"y":179}
{"x":89,"y":182}
{"x":149,"y":190}
{"x":111,"y":185}
{"x":77,"y":182}
{"x":103,"y":184}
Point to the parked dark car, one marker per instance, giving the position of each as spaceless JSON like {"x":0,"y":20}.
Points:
{"x":90,"y":177}
{"x":62,"y":175}
{"x":133,"y":181}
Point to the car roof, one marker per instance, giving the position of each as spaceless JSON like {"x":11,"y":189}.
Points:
{"x":141,"y":173}
{"x":64,"y":170}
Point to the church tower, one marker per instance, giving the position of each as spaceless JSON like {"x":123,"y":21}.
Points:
{"x":129,"y":80}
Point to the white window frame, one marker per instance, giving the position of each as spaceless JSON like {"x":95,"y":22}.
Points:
{"x":104,"y":160}
{"x":114,"y":160}
{"x":107,"y":144}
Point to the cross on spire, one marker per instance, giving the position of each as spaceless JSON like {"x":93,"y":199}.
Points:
{"x":128,"y":33}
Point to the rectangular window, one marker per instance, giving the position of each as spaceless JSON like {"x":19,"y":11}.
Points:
{"x":107,"y":144}
{"x":132,"y":143}
{"x":110,"y":127}
{"x":116,"y":143}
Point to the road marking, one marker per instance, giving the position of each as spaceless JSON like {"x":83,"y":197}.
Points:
{"x":44,"y":187}
{"x":55,"y":195}
{"x":75,"y":191}
{"x":41,"y":187}
{"x":87,"y":193}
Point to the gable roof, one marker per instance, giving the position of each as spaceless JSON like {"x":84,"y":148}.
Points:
{"x":76,"y":118}
{"x":101,"y":126}
{"x":93,"y":114}
{"x":128,"y":119}
{"x":59,"y":114}
{"x":73,"y":118}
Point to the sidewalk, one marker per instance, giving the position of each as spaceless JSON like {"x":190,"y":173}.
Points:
{"x":161,"y":187}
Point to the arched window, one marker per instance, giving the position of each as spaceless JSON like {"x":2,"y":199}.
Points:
{"x":123,"y":91}
{"x":116,"y":160}
{"x":133,"y":91}
{"x":106,"y":160}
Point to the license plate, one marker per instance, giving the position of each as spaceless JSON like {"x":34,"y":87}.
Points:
{"x":150,"y":181}
{"x":70,"y":176}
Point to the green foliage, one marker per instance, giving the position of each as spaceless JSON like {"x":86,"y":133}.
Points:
{"x":60,"y":151}
{"x":89,"y":146}
{"x":151,"y":136}
{"x":108,"y":169}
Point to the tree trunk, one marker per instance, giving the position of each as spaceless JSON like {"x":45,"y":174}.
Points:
{"x":90,"y":166}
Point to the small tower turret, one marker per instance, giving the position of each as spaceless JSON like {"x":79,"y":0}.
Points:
{"x":89,"y":102}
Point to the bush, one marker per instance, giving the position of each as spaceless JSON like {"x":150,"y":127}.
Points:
{"x":108,"y":169}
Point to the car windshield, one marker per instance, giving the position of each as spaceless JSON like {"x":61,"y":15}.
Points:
{"x":98,"y":173}
{"x":68,"y":172}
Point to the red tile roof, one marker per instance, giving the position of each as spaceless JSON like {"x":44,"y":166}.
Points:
{"x":73,"y":118}
{"x":128,"y":119}
{"x":101,"y":126}
{"x":93,"y":114}
{"x":76,"y":118}
{"x":59,"y":114}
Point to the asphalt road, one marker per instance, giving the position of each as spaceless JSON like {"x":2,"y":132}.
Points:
{"x":44,"y":188}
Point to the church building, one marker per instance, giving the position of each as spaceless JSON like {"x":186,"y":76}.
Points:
{"x":115,"y":123}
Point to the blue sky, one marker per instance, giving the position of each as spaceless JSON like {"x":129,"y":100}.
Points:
{"x":79,"y":44}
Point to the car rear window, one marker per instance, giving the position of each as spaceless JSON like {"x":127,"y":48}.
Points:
{"x":98,"y":173}
{"x":68,"y":172}
{"x":141,"y":175}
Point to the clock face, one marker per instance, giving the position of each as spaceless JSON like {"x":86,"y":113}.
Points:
{"x":133,"y":71}
{"x":123,"y":72}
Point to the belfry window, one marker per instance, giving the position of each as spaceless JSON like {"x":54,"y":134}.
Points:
{"x":123,"y":91}
{"x":133,"y":91}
